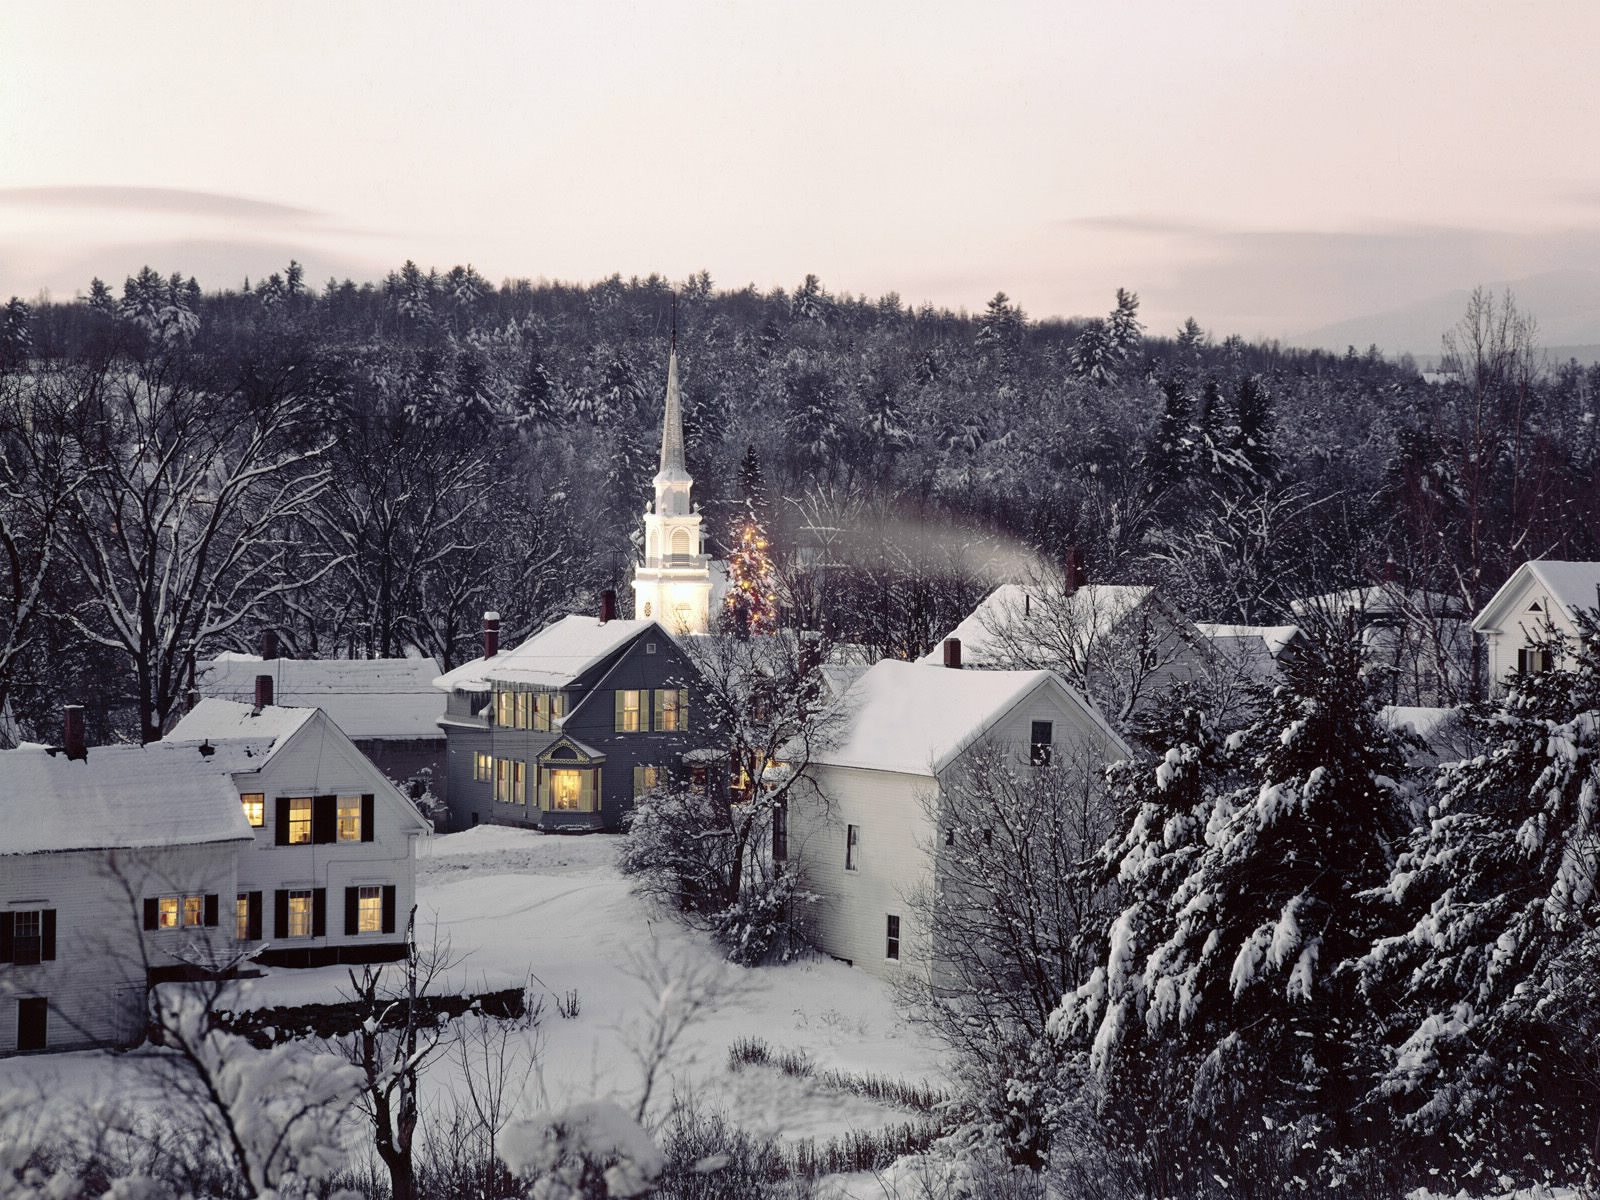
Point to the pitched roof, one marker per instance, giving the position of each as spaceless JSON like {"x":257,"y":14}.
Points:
{"x":1573,"y":585}
{"x":242,"y":737}
{"x":117,"y":797}
{"x":1377,"y":599}
{"x":672,"y":464}
{"x":554,"y":657}
{"x":916,"y":719}
{"x":1273,"y":639}
{"x":367,"y":698}
{"x":1039,"y":623}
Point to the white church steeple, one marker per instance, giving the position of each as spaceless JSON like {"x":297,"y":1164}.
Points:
{"x":673,"y":583}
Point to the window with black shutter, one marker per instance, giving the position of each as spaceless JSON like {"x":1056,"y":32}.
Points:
{"x":211,"y":909}
{"x":352,"y":911}
{"x":280,"y":913}
{"x":7,"y":924}
{"x":47,"y":934}
{"x":152,"y":913}
{"x":368,"y":827}
{"x":319,"y":912}
{"x":325,"y":820}
{"x":280,"y":833}
{"x":388,"y":908}
{"x":253,"y":933}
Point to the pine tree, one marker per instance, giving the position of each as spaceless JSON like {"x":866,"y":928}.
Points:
{"x":1123,"y":330}
{"x":1167,"y":458}
{"x":1252,"y":985}
{"x":1001,"y":330}
{"x":752,"y":603}
{"x":100,"y":298}
{"x":753,"y":485}
{"x":1494,"y":980}
{"x":16,"y":334}
{"x":536,"y":393}
{"x":1253,"y":429}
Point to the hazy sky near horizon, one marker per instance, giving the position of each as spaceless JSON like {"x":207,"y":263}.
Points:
{"x":1266,"y":166}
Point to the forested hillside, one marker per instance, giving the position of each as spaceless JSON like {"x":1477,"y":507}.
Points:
{"x":366,"y":468}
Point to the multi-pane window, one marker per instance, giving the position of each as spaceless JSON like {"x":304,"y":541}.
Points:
{"x":524,"y":710}
{"x":349,"y":818}
{"x":171,"y":911}
{"x":300,"y":905}
{"x":482,"y":767}
{"x":1039,"y":739}
{"x":255,"y":808}
{"x":241,"y":917}
{"x":299,"y":820}
{"x":502,"y":780}
{"x":27,"y":935}
{"x":891,"y":945}
{"x":852,"y":847}
{"x":671,"y":709}
{"x":369,"y":910}
{"x":519,"y":782}
{"x":1531,"y":660}
{"x":505,"y":712}
{"x":645,"y":779}
{"x":194,"y":910}
{"x":631,"y":712}
{"x":551,"y":711}
{"x":568,"y":792}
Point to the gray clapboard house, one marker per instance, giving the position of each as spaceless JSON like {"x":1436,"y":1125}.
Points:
{"x":565,"y":730}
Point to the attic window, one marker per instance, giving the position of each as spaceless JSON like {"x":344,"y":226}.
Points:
{"x":1536,"y":607}
{"x":649,"y":647}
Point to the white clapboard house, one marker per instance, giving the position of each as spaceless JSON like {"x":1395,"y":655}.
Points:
{"x":859,"y":828}
{"x":251,"y":828}
{"x":1541,"y":598}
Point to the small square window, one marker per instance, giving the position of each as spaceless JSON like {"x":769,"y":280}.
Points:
{"x":255,"y":809}
{"x":852,"y":847}
{"x":649,"y":647}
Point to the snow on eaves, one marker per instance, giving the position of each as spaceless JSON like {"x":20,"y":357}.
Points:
{"x":1572,"y":585}
{"x":117,"y":797}
{"x":1087,"y":614}
{"x":552,"y":658}
{"x":1274,"y":639}
{"x":915,"y":719}
{"x":242,"y":736}
{"x":367,"y":698}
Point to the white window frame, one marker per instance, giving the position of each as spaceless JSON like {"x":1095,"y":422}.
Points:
{"x":255,"y":808}
{"x":369,"y":909}
{"x":349,"y":818}
{"x":302,"y":913}
{"x":852,"y":847}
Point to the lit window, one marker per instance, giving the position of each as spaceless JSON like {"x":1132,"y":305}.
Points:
{"x":482,"y":767}
{"x":672,"y":709}
{"x":349,"y":818}
{"x":1039,"y":739}
{"x":852,"y":847}
{"x":524,"y":710}
{"x":646,"y":779}
{"x":567,"y":791}
{"x":519,"y":782}
{"x":241,"y":917}
{"x":630,"y":712}
{"x":300,"y":821}
{"x":369,"y":910}
{"x":300,"y":914}
{"x":891,"y":948}
{"x":502,"y":780}
{"x":194,"y":910}
{"x":255,"y":809}
{"x":171,"y":908}
{"x":504,"y":709}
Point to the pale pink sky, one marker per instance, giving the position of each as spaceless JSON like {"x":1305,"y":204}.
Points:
{"x":1266,"y":166}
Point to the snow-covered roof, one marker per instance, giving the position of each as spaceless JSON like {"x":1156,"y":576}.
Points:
{"x":117,"y":797}
{"x":242,"y":736}
{"x":1274,"y":639}
{"x":552,"y":658}
{"x":1421,"y":720}
{"x":1376,"y":600}
{"x":1573,"y":585}
{"x":367,"y":698}
{"x":915,"y":719}
{"x":1035,"y":620}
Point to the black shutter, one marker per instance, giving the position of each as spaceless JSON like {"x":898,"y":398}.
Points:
{"x":367,"y":827}
{"x":47,"y":935}
{"x":211,"y":909}
{"x":325,"y":819}
{"x":352,"y":911}
{"x":388,"y":908}
{"x":280,"y":914}
{"x":281,"y":837}
{"x":8,"y":923}
{"x":152,"y":913}
{"x":319,"y":912}
{"x":252,"y":919}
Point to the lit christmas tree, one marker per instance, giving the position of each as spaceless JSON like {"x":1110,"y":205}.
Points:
{"x":752,"y":602}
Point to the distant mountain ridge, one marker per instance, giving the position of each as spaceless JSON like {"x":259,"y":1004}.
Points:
{"x":1566,"y":305}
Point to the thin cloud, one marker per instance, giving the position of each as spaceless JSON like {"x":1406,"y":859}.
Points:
{"x":155,"y":200}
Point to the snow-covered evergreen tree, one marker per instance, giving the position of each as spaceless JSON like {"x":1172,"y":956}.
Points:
{"x":1497,"y":978}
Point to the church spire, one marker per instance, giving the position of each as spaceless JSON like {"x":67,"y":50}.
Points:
{"x":672,"y":464}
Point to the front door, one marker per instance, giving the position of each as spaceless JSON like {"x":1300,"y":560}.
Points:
{"x":31,"y":1023}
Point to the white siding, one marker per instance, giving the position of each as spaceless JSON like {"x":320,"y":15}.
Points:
{"x":319,"y":761}
{"x":1522,"y":627}
{"x":95,"y":985}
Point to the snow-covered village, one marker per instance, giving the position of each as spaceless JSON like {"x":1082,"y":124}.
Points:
{"x":512,"y":687}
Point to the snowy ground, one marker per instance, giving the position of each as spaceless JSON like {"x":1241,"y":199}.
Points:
{"x":514,"y":906}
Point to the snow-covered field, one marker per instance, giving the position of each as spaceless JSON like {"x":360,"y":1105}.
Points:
{"x":514,"y":906}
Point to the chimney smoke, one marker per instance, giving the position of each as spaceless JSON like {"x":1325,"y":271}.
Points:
{"x":491,"y":634}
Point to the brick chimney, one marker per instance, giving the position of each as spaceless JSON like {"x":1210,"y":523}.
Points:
{"x":72,"y":735}
{"x":269,"y":644}
{"x":1073,"y":570}
{"x":952,"y":653}
{"x":491,"y":634}
{"x":263,"y":692}
{"x":608,"y":605}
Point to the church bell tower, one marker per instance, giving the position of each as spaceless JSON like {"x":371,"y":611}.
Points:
{"x":673,"y":583}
